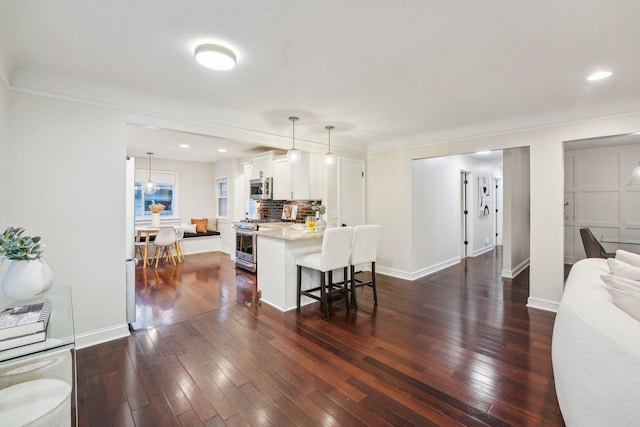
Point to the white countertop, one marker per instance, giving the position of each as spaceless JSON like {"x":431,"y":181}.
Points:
{"x":287,"y":233}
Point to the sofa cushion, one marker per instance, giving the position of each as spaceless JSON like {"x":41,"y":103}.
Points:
{"x":206,"y":233}
{"x":624,"y":270}
{"x":620,"y":283}
{"x":190,"y":228}
{"x":628,"y":257}
{"x":201,"y":224}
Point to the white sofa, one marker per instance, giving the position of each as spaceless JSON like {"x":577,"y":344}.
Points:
{"x":595,"y":353}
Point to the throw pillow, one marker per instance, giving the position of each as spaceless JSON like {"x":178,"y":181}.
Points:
{"x":627,"y":301}
{"x":190,"y":228}
{"x":622,"y":269}
{"x":614,"y":282}
{"x":628,"y":257}
{"x":201,"y":224}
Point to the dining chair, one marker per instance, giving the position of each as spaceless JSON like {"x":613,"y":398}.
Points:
{"x":179,"y":237}
{"x":364,"y":248}
{"x":334,"y":254}
{"x":592,"y":247}
{"x":164,"y":241}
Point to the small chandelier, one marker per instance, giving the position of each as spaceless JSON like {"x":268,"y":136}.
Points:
{"x":150,"y":187}
{"x":294,"y":154}
{"x":329,"y":157}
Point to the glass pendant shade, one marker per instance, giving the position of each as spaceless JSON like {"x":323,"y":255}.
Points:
{"x":329,"y":157}
{"x":635,"y":176}
{"x":150,"y":187}
{"x":294,"y":154}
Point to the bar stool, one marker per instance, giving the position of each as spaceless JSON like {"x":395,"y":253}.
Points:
{"x":363,"y":250}
{"x":336,"y":245}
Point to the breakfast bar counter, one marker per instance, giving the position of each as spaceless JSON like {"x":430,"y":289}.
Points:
{"x":277,"y":251}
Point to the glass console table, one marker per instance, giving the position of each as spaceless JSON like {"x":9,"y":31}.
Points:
{"x":38,"y":381}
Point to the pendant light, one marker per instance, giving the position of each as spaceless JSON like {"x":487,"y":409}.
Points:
{"x":294,"y":155}
{"x":150,"y":187}
{"x":635,"y":176}
{"x":329,"y":157}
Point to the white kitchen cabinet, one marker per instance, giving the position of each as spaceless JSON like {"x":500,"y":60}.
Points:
{"x":316,"y":175}
{"x":293,"y":181}
{"x":281,"y":179}
{"x":262,"y":166}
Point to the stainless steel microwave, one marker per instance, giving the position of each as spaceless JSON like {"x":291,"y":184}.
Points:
{"x":261,"y":188}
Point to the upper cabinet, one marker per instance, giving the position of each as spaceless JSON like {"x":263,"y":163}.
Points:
{"x":262,"y":166}
{"x":301,"y":180}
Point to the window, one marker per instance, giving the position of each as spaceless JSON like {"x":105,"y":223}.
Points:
{"x":221,"y":184}
{"x":166,"y":194}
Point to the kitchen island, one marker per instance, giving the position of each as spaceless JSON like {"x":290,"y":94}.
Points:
{"x":277,"y":250}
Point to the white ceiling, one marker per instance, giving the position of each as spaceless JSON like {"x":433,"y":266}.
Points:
{"x":385,"y":74}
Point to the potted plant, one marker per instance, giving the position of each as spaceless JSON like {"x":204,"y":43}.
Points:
{"x":28,"y":274}
{"x":320,"y":210}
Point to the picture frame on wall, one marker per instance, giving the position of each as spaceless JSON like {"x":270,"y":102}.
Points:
{"x":483,"y":196}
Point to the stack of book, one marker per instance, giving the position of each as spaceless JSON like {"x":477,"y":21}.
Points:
{"x":24,"y":325}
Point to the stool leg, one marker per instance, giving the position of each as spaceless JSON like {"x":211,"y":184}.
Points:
{"x":323,"y":295}
{"x":345,"y":288}
{"x":354,"y":298}
{"x":373,"y":282}
{"x":299,"y":280}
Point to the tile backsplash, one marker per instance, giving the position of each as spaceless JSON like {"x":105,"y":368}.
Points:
{"x":272,"y":209}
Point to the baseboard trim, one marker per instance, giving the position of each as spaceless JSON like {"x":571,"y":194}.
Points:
{"x":100,"y":336}
{"x":511,"y":274}
{"x":416,"y":274}
{"x":483,"y":250}
{"x":543,"y":304}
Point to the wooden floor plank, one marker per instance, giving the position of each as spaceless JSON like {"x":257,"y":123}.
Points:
{"x":458,"y":347}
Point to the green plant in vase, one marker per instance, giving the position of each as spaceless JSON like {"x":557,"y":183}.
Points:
{"x":28,"y":275}
{"x":320,"y":210}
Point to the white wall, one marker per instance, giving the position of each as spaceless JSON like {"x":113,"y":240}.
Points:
{"x":516,"y":211}
{"x":597,"y":196}
{"x":234,"y":172}
{"x":196,"y":186}
{"x":73,"y":203}
{"x":389,"y":192}
{"x":4,"y":154}
{"x":437,"y":211}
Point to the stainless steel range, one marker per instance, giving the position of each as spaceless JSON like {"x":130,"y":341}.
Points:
{"x":246,"y":245}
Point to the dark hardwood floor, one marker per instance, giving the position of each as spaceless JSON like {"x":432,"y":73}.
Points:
{"x":458,"y":347}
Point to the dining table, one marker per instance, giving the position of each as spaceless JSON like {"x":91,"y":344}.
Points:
{"x":148,"y":231}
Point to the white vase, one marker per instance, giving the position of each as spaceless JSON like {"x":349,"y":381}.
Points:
{"x":155,"y":219}
{"x":27,"y":279}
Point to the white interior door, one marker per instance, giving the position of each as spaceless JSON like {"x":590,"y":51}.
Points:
{"x":350,"y":192}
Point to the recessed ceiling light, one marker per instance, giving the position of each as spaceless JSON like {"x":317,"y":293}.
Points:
{"x":482,"y":153}
{"x":215,"y":57}
{"x":184,"y":145}
{"x":222,"y":150}
{"x":599,"y":75}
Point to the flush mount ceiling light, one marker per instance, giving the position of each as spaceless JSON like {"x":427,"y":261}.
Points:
{"x":222,"y":150}
{"x":329,"y":157}
{"x":635,"y":176}
{"x":150,"y":187}
{"x":294,"y":154}
{"x":215,"y":57}
{"x":184,"y":145}
{"x":599,"y":75}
